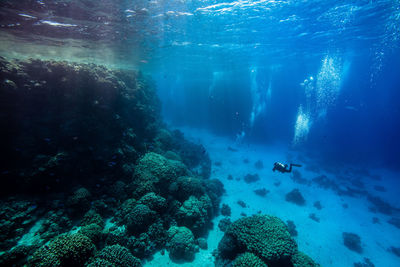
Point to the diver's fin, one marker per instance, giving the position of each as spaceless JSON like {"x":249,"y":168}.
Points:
{"x":296,"y":165}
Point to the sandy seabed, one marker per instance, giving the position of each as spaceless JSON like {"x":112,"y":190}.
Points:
{"x":322,"y":240}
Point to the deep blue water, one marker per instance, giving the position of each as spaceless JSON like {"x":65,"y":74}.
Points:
{"x":220,"y":62}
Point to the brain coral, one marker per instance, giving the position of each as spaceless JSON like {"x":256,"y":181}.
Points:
{"x":64,"y":250}
{"x":265,"y":236}
{"x":248,"y":259}
{"x":181,"y":243}
{"x":117,"y":256}
{"x":302,"y":260}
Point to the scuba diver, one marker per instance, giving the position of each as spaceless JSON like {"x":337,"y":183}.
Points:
{"x":284,"y":167}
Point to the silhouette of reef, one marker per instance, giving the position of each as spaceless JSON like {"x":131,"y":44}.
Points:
{"x":85,"y":150}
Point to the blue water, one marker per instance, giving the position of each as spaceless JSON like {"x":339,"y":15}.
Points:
{"x":220,"y":62}
{"x":314,"y":82}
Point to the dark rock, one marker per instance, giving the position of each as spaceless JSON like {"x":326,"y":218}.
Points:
{"x":395,"y":222}
{"x":202,"y":243}
{"x":291,"y":228}
{"x":375,"y":220}
{"x":324,"y":182}
{"x":318,"y":205}
{"x":297,"y":177}
{"x":295,"y":197}
{"x":352,"y":241}
{"x":367,"y":263}
{"x":380,"y":206}
{"x":261,"y":192}
{"x":242,"y":203}
{"x":225,"y":210}
{"x":259,"y":165}
{"x":395,"y":251}
{"x":313,"y":217}
{"x":251,"y":178}
{"x":224,"y":224}
{"x":379,"y":188}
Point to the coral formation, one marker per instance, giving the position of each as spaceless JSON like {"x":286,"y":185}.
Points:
{"x":195,"y":213}
{"x":181,"y":243}
{"x":226,"y":210}
{"x":261,"y":239}
{"x":90,"y":142}
{"x":299,"y":259}
{"x":248,"y":259}
{"x":67,"y":109}
{"x":224,"y":224}
{"x":266,"y":236}
{"x":64,"y":250}
{"x":116,"y":256}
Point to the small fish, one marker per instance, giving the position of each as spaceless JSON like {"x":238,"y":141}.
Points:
{"x":48,"y":140}
{"x":112,"y":163}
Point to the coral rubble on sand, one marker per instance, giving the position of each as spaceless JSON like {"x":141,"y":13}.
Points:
{"x":91,"y":175}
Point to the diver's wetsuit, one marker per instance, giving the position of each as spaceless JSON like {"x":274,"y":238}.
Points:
{"x":283,"y":167}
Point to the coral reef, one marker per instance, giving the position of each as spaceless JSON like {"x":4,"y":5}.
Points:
{"x":89,"y":144}
{"x":262,"y":240}
{"x":226,"y":210}
{"x":299,"y":259}
{"x":224,"y":224}
{"x":54,"y":115}
{"x":248,"y":259}
{"x":116,"y":256}
{"x":64,"y":250}
{"x":181,"y":243}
